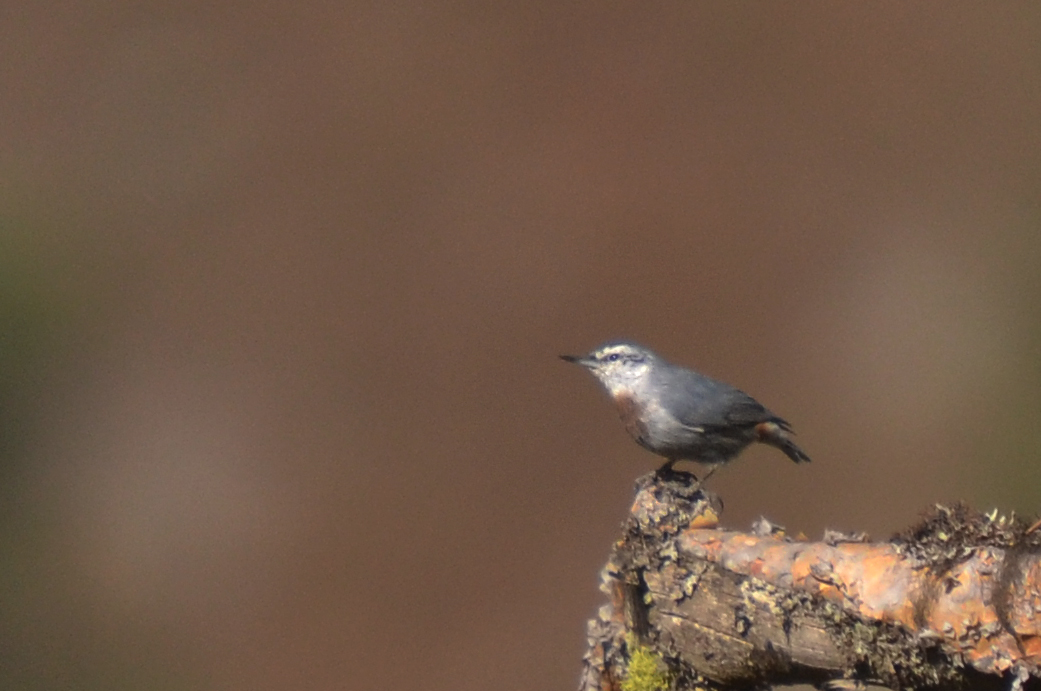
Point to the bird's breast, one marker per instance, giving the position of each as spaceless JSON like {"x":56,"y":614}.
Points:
{"x":632,"y":415}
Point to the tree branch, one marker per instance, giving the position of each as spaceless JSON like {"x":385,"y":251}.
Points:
{"x":951,"y":603}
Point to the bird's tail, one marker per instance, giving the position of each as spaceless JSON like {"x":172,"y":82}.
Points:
{"x":778,"y":434}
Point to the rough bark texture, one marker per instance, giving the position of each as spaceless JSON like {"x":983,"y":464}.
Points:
{"x":952,"y":603}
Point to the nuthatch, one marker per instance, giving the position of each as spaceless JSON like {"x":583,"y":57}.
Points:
{"x":680,"y":414}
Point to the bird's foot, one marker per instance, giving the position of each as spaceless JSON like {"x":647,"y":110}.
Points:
{"x":668,"y":472}
{"x":670,"y":475}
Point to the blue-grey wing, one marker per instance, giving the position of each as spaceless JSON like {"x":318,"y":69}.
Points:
{"x":699,"y":401}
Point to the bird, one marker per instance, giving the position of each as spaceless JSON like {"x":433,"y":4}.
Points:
{"x":680,"y":414}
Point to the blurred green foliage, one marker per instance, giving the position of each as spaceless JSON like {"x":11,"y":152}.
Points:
{"x":31,"y":312}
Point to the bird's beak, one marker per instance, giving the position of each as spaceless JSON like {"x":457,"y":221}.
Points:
{"x":578,"y":360}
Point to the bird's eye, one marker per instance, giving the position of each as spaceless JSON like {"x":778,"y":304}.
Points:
{"x":612,"y":357}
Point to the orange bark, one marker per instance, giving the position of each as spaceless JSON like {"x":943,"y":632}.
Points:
{"x":960,"y":593}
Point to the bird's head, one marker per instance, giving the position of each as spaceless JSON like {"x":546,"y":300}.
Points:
{"x":619,"y":365}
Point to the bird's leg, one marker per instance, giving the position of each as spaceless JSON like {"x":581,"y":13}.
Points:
{"x":666,"y":468}
{"x":699,"y":483}
{"x":666,"y":471}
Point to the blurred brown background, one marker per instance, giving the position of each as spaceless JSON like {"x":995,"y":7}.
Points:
{"x":282,"y":288}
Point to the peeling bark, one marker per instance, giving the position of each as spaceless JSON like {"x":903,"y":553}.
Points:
{"x":952,"y":603}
